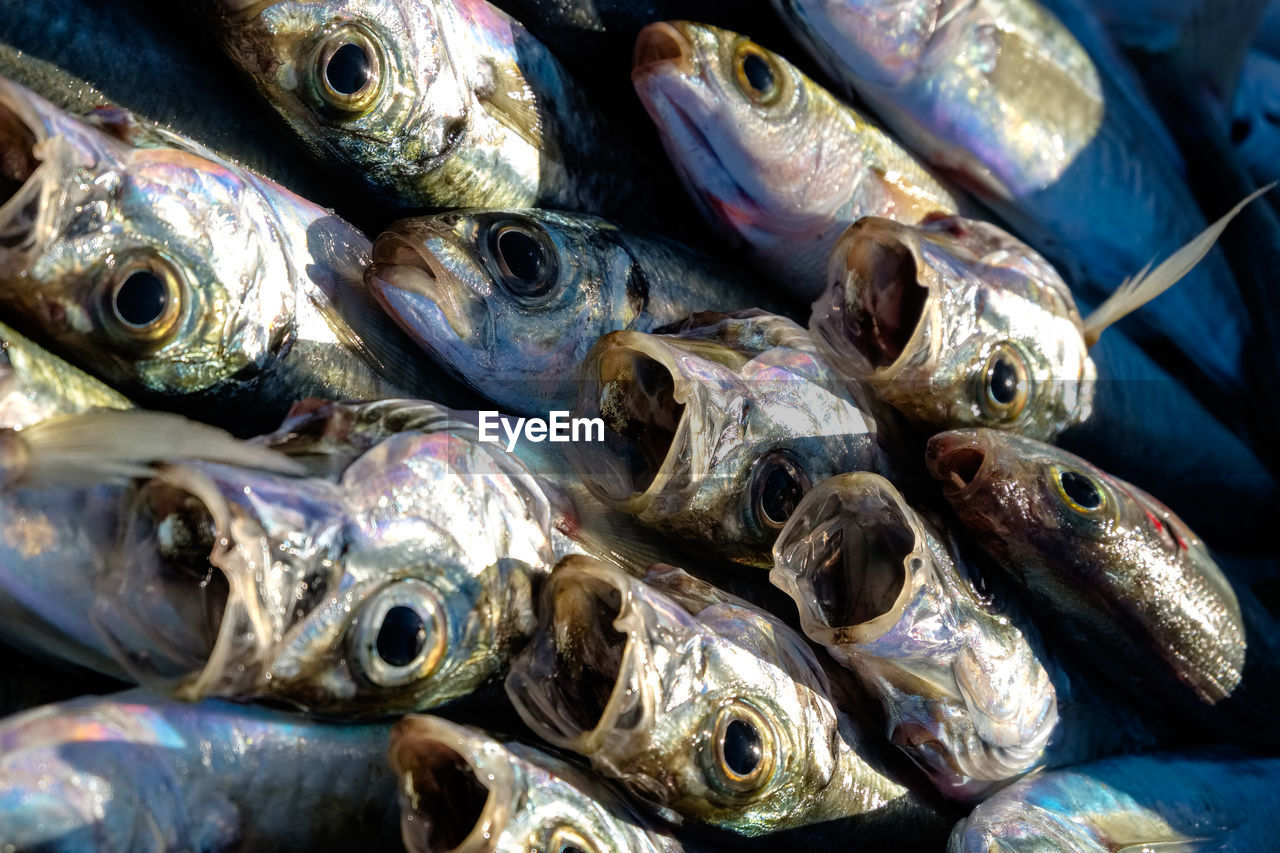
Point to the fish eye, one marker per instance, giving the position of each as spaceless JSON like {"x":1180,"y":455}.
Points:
{"x":742,"y":753}
{"x":1006,"y":384}
{"x":145,"y":298}
{"x":565,"y":839}
{"x":757,"y":74}
{"x":348,"y":72}
{"x":524,"y":259}
{"x":778,"y":482}
{"x":1079,"y":491}
{"x":398,"y":636}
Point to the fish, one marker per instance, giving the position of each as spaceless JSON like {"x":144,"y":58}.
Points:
{"x":461,"y":788}
{"x":435,"y":104}
{"x":395,"y":572}
{"x":714,"y":429}
{"x":964,"y":690}
{"x":1000,"y":95}
{"x":970,"y":692}
{"x":122,"y":61}
{"x":511,"y":301}
{"x":956,"y":323}
{"x":401,"y":584}
{"x":692,"y":700}
{"x":133,"y":771}
{"x":1112,"y":570}
{"x":775,"y":162}
{"x":1184,"y":801}
{"x":183,"y":280}
{"x":68,"y":445}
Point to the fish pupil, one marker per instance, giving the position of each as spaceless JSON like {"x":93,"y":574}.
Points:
{"x":1081,"y":490}
{"x":1004,"y":382}
{"x":782,"y":492}
{"x":402,"y":636}
{"x":743,"y":749}
{"x":347,"y":71}
{"x":522,"y":256}
{"x":758,"y":73}
{"x":141,"y":298}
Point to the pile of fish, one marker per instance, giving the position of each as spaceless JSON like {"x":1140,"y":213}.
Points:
{"x":751,"y":426}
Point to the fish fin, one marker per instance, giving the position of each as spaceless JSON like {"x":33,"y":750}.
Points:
{"x":1138,"y":290}
{"x":118,"y":445}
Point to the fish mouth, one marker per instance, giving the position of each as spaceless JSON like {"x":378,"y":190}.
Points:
{"x":873,"y":314}
{"x":197,"y":592}
{"x":417,"y":290}
{"x":448,"y":802}
{"x":845,"y":558}
{"x":633,"y":384}
{"x":162,"y":603}
{"x":578,"y":682}
{"x":960,"y":460}
{"x":661,"y":47}
{"x":20,"y":134}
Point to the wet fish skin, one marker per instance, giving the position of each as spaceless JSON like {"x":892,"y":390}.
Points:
{"x":715,"y":428}
{"x":1076,"y":172}
{"x":133,"y":771}
{"x":400,"y":584}
{"x":1106,"y":564}
{"x":651,"y":679}
{"x":965,"y":691}
{"x":460,"y":787}
{"x":938,"y":317}
{"x":439,"y":104}
{"x":1199,"y":800}
{"x":781,"y":170}
{"x":52,"y":541}
{"x":518,"y":339}
{"x":1254,"y":128}
{"x":185,"y":281}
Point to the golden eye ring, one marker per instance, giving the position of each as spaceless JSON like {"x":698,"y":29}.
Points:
{"x":742,"y":755}
{"x":145,"y":298}
{"x":1005,"y":384}
{"x":1078,"y":491}
{"x":348,"y":71}
{"x":757,"y":73}
{"x":566,"y":839}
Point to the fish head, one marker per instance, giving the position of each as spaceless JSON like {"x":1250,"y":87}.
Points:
{"x":463,"y":790}
{"x":1076,"y":534}
{"x":397,"y":587}
{"x":714,"y":442}
{"x":158,"y":268}
{"x":719,"y":715}
{"x":742,"y":127}
{"x":370,"y":83}
{"x":884,"y":42}
{"x":956,"y":323}
{"x":963,"y":692}
{"x":511,"y":301}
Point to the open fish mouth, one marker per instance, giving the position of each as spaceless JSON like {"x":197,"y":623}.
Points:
{"x":581,"y":681}
{"x":453,"y":800}
{"x":844,"y":558}
{"x":414,"y":288}
{"x":198,"y":594}
{"x":874,"y":312}
{"x":959,"y":460}
{"x":635,"y":385}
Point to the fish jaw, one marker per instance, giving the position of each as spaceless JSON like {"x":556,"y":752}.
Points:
{"x":877,"y":587}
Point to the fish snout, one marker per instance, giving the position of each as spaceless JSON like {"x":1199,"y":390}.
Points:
{"x":959,"y":459}
{"x":662,"y":47}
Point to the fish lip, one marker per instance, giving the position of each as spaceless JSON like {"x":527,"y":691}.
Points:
{"x":444,"y":741}
{"x":424,"y":298}
{"x":596,"y":464}
{"x":536,"y":693}
{"x":962,"y":460}
{"x":662,"y":48}
{"x":870,"y":256}
{"x":863,"y":500}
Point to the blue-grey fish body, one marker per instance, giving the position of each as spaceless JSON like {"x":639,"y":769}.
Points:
{"x":1255,"y":119}
{"x":1221,"y":801}
{"x":137,"y":772}
{"x":511,"y":301}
